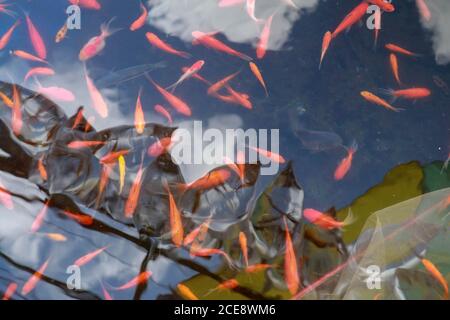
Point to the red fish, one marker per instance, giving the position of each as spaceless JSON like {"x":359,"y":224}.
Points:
{"x":113,"y":156}
{"x":7,"y":36}
{"x":346,"y":163}
{"x":262,"y":45}
{"x":353,"y":17}
{"x":325,"y":221}
{"x":96,"y":44}
{"x":209,"y":41}
{"x":271,"y":155}
{"x":394,"y":67}
{"x":27,"y":56}
{"x":34,"y":279}
{"x":41,"y":168}
{"x":39,"y":71}
{"x":78,"y":144}
{"x":160,"y":109}
{"x":133,"y":196}
{"x":383,"y":5}
{"x":411,"y":93}
{"x":88,"y":257}
{"x":434,"y":271}
{"x":10,"y":290}
{"x":395,"y":48}
{"x":226,"y":285}
{"x":210,"y":180}
{"x":291,"y":277}
{"x":207,"y":252}
{"x":139,"y":22}
{"x":325,"y":44}
{"x":36,"y":39}
{"x":158,"y":43}
{"x":159,"y":147}
{"x":244,"y":247}
{"x":80,"y":218}
{"x":254,"y":68}
{"x":214,"y":88}
{"x":39,"y":220}
{"x":257,"y":267}
{"x":141,"y":278}
{"x":88,"y":4}
{"x":174,"y":101}
{"x":377,"y":100}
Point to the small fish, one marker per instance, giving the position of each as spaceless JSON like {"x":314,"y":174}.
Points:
{"x":192,"y":70}
{"x":122,"y":172}
{"x":42,"y":71}
{"x":39,"y":220}
{"x":6,"y":100}
{"x":27,"y":56}
{"x":140,"y":21}
{"x":346,"y":163}
{"x":41,"y":168}
{"x":56,"y":237}
{"x":89,"y":257}
{"x":36,"y":39}
{"x":80,"y":218}
{"x":16,"y":118}
{"x":34,"y":279}
{"x":395,"y":48}
{"x":79,"y":144}
{"x":394,"y":67}
{"x":377,"y":100}
{"x":254,"y":68}
{"x":194,"y":234}
{"x":226,"y":285}
{"x":61,"y":34}
{"x":424,"y":11}
{"x":383,"y":5}
{"x":158,"y":43}
{"x":353,"y":17}
{"x":377,"y":28}
{"x":139,"y":279}
{"x":88,"y":4}
{"x":5,"y":197}
{"x":431,"y":268}
{"x":270,"y":155}
{"x":411,"y":93}
{"x":291,"y":277}
{"x":174,"y":101}
{"x":98,"y":102}
{"x":185,"y":292}
{"x":10,"y":290}
{"x":210,"y":180}
{"x":244,"y":247}
{"x":139,"y":121}
{"x":176,"y":224}
{"x":133,"y":196}
{"x":113,"y":156}
{"x":96,"y":44}
{"x":325,"y":221}
{"x":214,"y":88}
{"x":4,"y":40}
{"x":325,"y":44}
{"x":161,"y":110}
{"x":261,"y":47}
{"x":207,"y":252}
{"x":103,"y":181}
{"x":209,"y":41}
{"x":229,"y":3}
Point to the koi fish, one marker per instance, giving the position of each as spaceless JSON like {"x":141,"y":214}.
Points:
{"x":270,"y":155}
{"x":353,"y":17}
{"x":79,"y":144}
{"x":210,"y":180}
{"x":385,"y":6}
{"x":10,"y":290}
{"x":39,"y":71}
{"x":139,"y":121}
{"x":133,"y":196}
{"x":196,"y":67}
{"x":291,"y":277}
{"x":98,"y":102}
{"x":346,"y":163}
{"x":27,"y":56}
{"x":36,"y":39}
{"x":185,"y":292}
{"x":263,"y":42}
{"x":4,"y":40}
{"x":214,"y":88}
{"x":325,"y":44}
{"x":88,"y":257}
{"x":16,"y":119}
{"x":113,"y":156}
{"x":176,"y":225}
{"x":57,"y":93}
{"x":423,"y":10}
{"x":34,"y":279}
{"x":139,"y":22}
{"x":158,"y":43}
{"x":161,"y":110}
{"x":88,"y":4}
{"x":141,"y":278}
{"x":6,"y":100}
{"x":254,"y":68}
{"x":411,"y":93}
{"x":96,"y":44}
{"x":244,"y":248}
{"x":174,"y":101}
{"x":377,"y":100}
{"x":207,"y":252}
{"x":226,"y":285}
{"x":61,"y":34}
{"x":395,"y":48}
{"x":122,"y":168}
{"x":37,"y":223}
{"x":80,"y":218}
{"x":325,"y":221}
{"x":209,"y":41}
{"x":431,"y":268}
{"x":5,"y":197}
{"x":394,"y":67}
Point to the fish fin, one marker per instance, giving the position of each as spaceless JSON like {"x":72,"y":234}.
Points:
{"x":106,"y":30}
{"x":350,"y":219}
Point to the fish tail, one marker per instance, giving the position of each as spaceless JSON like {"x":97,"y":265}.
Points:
{"x":106,"y":30}
{"x":352,"y":148}
{"x":184,"y":54}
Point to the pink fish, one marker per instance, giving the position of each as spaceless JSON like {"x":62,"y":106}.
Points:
{"x":88,"y":257}
{"x":36,"y":39}
{"x":7,"y":36}
{"x":88,"y":4}
{"x":39,"y":220}
{"x":174,"y":101}
{"x":250,"y":6}
{"x":264,"y":39}
{"x":39,"y":71}
{"x":192,"y":70}
{"x":57,"y":93}
{"x":230,"y":3}
{"x":141,"y":278}
{"x":163,"y":111}
{"x":96,"y":44}
{"x":12,"y":287}
{"x":98,"y":102}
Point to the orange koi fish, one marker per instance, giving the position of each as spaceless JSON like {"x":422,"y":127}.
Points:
{"x":96,"y":44}
{"x":41,"y":168}
{"x":431,"y":268}
{"x":80,"y":218}
{"x":5,"y":197}
{"x":325,"y":221}
{"x":139,"y":121}
{"x":7,"y":36}
{"x":6,"y":100}
{"x":207,"y":252}
{"x":209,"y":41}
{"x":244,"y":248}
{"x":196,"y":67}
{"x":141,"y":278}
{"x":214,"y":88}
{"x":174,"y":101}
{"x":425,"y":12}
{"x":34,"y":279}
{"x":271,"y":155}
{"x":158,"y":43}
{"x":89,"y":257}
{"x":377,"y":100}
{"x":10,"y":290}
{"x":16,"y":119}
{"x":61,"y":34}
{"x":325,"y":44}
{"x":226,"y":285}
{"x":395,"y":48}
{"x":210,"y":180}
{"x":133,"y":196}
{"x":385,"y":6}
{"x":113,"y":156}
{"x":39,"y":220}
{"x":353,"y":17}
{"x":236,"y":98}
{"x":263,"y":42}
{"x":161,"y":110}
{"x":36,"y":39}
{"x":394,"y":67}
{"x":197,"y":76}
{"x":27,"y":56}
{"x":98,"y":102}
{"x":39,"y":71}
{"x":291,"y":277}
{"x":176,"y":225}
{"x":139,"y":22}
{"x":78,"y":144}
{"x":346,"y":163}
{"x":185,"y":292}
{"x":258,"y":76}
{"x":411,"y":93}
